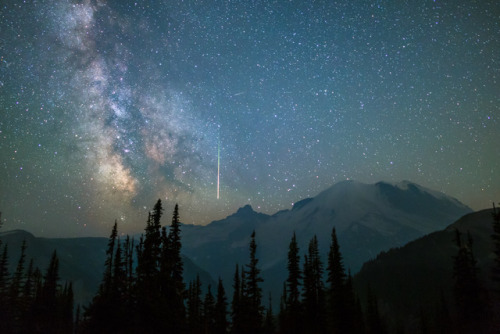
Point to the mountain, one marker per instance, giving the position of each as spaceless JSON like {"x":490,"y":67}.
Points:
{"x":369,"y":218}
{"x":81,"y":260}
{"x":412,"y":278}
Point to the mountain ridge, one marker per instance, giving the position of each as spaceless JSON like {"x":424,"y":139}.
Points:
{"x":369,"y":218}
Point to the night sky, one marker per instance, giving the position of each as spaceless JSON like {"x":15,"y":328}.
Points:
{"x":106,"y":106}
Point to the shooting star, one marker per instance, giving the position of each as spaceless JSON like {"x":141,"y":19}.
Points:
{"x":218,"y":167}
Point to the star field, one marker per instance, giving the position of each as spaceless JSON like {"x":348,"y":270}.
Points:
{"x":106,"y":106}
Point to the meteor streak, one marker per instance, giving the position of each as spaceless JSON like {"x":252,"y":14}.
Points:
{"x":218,"y":168}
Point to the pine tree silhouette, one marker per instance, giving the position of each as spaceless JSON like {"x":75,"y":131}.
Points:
{"x":294,"y":307}
{"x":220,"y":312}
{"x":208,"y":312}
{"x":252,"y":293}
{"x":236,"y":315}
{"x":314,"y":290}
{"x":336,"y":287}
{"x":496,"y":246}
{"x":176,"y":314}
{"x":467,"y":288}
{"x":269,"y":324}
{"x":282,"y":317}
{"x":194,"y":307}
{"x":495,"y":270}
{"x":15,"y":300}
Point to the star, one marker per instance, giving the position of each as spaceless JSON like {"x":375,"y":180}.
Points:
{"x":108,"y":106}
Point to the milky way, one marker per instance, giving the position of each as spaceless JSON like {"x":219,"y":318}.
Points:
{"x":107,"y":106}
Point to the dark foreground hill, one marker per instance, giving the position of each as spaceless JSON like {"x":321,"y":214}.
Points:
{"x":412,"y":282}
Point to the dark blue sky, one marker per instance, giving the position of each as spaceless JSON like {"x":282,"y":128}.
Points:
{"x":108,"y":105}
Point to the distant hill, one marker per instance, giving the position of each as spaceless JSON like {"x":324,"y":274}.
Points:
{"x":81,"y":260}
{"x":369,"y":218}
{"x":411,"y":278}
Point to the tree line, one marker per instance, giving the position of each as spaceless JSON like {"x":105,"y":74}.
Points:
{"x":143,"y":291}
{"x":32,"y":301}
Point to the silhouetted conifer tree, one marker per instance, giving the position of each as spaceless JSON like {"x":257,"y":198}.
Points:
{"x":119,"y":279}
{"x":467,"y":288}
{"x":5,"y":311}
{"x":269,"y":324}
{"x":174,"y":258}
{"x":353,"y":312}
{"x":194,"y":307}
{"x":33,"y":316}
{"x":50,"y":284}
{"x":153,"y":233}
{"x":16,"y":308}
{"x":28,"y":288}
{"x":77,"y":325}
{"x":236,"y":302}
{"x":52,"y":305}
{"x":495,"y":270}
{"x":282,"y":316}
{"x":4,"y":274}
{"x":17,"y":277}
{"x":166,"y":264}
{"x":148,"y":261}
{"x":149,"y":255}
{"x":105,"y":286}
{"x":336,"y":288}
{"x":175,"y":244}
{"x":293,"y":282}
{"x":105,"y":312}
{"x":314,"y":291}
{"x":220,"y":315}
{"x":208,"y":312}
{"x":66,"y":309}
{"x":166,"y":288}
{"x":243,"y":304}
{"x":151,"y":309}
{"x":252,"y":293}
{"x":496,"y":246}
{"x":128,"y":261}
